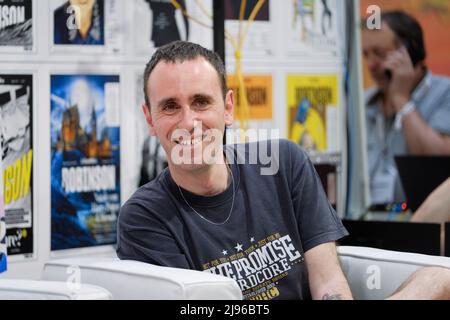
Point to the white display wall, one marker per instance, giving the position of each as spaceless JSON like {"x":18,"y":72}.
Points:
{"x":126,"y":57}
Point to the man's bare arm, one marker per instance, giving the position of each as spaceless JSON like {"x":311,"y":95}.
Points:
{"x":423,"y":139}
{"x":326,"y":279}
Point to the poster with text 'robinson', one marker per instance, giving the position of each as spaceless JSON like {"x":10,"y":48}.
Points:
{"x":85,"y":160}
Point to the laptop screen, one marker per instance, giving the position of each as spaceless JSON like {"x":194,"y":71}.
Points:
{"x":424,"y":238}
{"x":420,"y":175}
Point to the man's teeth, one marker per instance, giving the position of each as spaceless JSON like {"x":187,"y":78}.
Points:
{"x":190,"y":142}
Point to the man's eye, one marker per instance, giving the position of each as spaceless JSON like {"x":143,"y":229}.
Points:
{"x":380,"y":53}
{"x":170,"y":108}
{"x":201,"y":103}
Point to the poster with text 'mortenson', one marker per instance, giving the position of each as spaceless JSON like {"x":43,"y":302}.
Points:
{"x":85,"y":160}
{"x":16,"y":25}
{"x":16,"y":101}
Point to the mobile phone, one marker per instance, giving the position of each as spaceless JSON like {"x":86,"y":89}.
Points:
{"x":413,"y":55}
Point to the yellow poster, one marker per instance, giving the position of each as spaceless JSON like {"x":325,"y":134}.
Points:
{"x":312,"y":111}
{"x":259,"y":96}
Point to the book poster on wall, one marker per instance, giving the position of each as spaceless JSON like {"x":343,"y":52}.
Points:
{"x":85,"y":160}
{"x":259,"y":96}
{"x":159,"y":22}
{"x":312,"y":111}
{"x":3,"y":249}
{"x":312,"y":27}
{"x":16,"y":101}
{"x":86,"y":26}
{"x":16,"y":25}
{"x":259,"y":39}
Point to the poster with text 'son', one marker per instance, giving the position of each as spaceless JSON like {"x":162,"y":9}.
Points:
{"x":159,"y":22}
{"x":312,"y":111}
{"x":16,"y":101}
{"x":312,"y":28}
{"x":89,"y":26}
{"x":85,"y":160}
{"x":259,"y":96}
{"x":259,"y":37}
{"x":16,"y":25}
{"x":3,"y":249}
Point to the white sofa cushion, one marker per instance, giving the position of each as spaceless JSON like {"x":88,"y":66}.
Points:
{"x":127,"y":279}
{"x":12,"y":289}
{"x":376,"y":274}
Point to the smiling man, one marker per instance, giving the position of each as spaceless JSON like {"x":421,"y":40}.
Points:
{"x":213,"y":209}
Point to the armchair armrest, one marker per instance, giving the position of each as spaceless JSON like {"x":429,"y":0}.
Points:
{"x":377,"y":274}
{"x":18,"y":289}
{"x":127,"y":279}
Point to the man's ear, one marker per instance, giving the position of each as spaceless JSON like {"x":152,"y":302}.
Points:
{"x":148,"y":117}
{"x":229,"y":107}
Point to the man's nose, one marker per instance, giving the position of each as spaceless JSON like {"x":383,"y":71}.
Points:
{"x":188,"y":119}
{"x":373,"y":62}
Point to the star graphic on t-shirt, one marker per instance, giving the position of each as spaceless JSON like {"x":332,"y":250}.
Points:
{"x":238,"y":247}
{"x":225,"y":252}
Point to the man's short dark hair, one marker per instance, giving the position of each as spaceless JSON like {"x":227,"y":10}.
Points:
{"x":180,"y":51}
{"x":408,"y":32}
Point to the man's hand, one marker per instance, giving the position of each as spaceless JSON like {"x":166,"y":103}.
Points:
{"x":404,"y":78}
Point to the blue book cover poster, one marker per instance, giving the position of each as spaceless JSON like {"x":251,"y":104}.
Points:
{"x":85,"y":160}
{"x":16,"y":101}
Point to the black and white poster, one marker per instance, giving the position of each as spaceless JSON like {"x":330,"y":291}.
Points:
{"x":258,"y":39}
{"x":312,"y":27}
{"x":17,"y":156}
{"x":158,"y":22}
{"x":86,"y":26}
{"x":16,"y":25}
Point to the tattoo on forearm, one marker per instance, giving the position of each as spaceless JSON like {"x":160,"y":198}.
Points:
{"x":332,"y":297}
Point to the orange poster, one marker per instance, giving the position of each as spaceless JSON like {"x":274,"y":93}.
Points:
{"x":434,"y":17}
{"x":259,"y":95}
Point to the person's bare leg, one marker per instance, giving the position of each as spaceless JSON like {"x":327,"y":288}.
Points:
{"x":431,"y":283}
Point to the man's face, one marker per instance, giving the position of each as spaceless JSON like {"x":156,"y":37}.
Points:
{"x":187,"y":109}
{"x":376,"y":45}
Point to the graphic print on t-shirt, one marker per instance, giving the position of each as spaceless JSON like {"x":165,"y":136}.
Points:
{"x":259,"y":268}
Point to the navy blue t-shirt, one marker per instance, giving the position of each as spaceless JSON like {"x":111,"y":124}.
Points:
{"x":275,"y":219}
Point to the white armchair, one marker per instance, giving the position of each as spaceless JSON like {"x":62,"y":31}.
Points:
{"x":137,"y":280}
